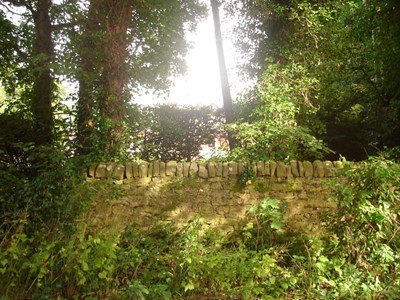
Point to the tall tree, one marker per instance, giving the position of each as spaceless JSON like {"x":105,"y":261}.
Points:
{"x":341,"y":55}
{"x":137,"y":44}
{"x":226,"y":92}
{"x":43,"y":81}
{"x":39,"y":58}
{"x":114,"y":18}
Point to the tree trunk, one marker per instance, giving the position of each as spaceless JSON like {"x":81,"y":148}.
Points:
{"x":86,"y":110}
{"x":43,"y":81}
{"x":114,"y":76}
{"x":103,"y":77}
{"x":226,"y":93}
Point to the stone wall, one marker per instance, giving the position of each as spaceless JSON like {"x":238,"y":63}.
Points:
{"x":204,"y":170}
{"x":160,"y":192}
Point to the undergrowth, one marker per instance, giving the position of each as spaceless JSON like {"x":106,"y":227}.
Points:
{"x":358,"y":258}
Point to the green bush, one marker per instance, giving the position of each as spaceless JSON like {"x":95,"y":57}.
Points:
{"x":356,"y":259}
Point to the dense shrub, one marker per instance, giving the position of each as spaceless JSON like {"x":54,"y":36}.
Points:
{"x":357,"y":258}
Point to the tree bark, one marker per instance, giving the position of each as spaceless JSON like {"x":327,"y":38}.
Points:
{"x":226,"y":93}
{"x":43,"y":81}
{"x":114,"y":76}
{"x":103,"y":77}
{"x":86,"y":110}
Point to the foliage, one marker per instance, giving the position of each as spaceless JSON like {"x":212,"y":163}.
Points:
{"x":273,"y":130}
{"x":176,"y":133}
{"x":137,"y":44}
{"x":357,"y":258}
{"x":366,"y":223}
{"x":347,"y":52}
{"x":330,"y":72}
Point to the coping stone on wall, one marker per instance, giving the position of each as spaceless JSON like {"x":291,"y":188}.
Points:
{"x":308,"y":169}
{"x":301,"y":168}
{"x":203,"y":172}
{"x":143,"y":169}
{"x":128,"y":170}
{"x":211,"y":166}
{"x":281,"y":171}
{"x":186,"y":167}
{"x":318,"y":169}
{"x":150,"y":170}
{"x":206,"y":170}
{"x":219,"y":169}
{"x":156,"y":168}
{"x":179,"y":170}
{"x":225,"y":169}
{"x":338,"y":164}
{"x":118,"y":172}
{"x":289,"y":172}
{"x":329,"y":169}
{"x":135,"y":169}
{"x":104,"y":170}
{"x":267,"y":167}
{"x":295,"y":168}
{"x":163,"y":167}
{"x":233,"y":168}
{"x":272,"y":165}
{"x":193,"y":170}
{"x":92,"y":170}
{"x":260,"y":168}
{"x":170,"y":168}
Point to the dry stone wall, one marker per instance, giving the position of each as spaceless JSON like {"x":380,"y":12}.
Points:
{"x":176,"y":192}
{"x":204,"y":170}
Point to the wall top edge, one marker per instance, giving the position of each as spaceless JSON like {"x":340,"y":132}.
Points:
{"x":210,"y":169}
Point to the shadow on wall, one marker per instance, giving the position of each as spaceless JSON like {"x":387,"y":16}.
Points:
{"x":210,"y":191}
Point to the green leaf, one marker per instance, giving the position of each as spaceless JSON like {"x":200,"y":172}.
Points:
{"x":189,"y":286}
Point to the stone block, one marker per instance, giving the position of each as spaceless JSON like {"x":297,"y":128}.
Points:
{"x":225,"y":169}
{"x":233,"y":168}
{"x":338,"y":164}
{"x":104,"y":170}
{"x":260,"y":168}
{"x":272,"y":166}
{"x":281,"y":171}
{"x":289,"y":173}
{"x":186,"y":167}
{"x":128,"y":170}
{"x":308,"y":169}
{"x":301,"y":168}
{"x":193,"y":170}
{"x":118,"y":172}
{"x":171,"y":168}
{"x":91,"y":170}
{"x":241,"y":168}
{"x":156,"y":169}
{"x":163,"y":168}
{"x":179,"y":170}
{"x":218,"y":169}
{"x":211,"y":169}
{"x":329,"y":170}
{"x":110,"y":168}
{"x":101,"y":171}
{"x":143,"y":169}
{"x":267,"y":170}
{"x":203,"y":172}
{"x":135,"y":170}
{"x":318,"y":169}
{"x":295,"y":168}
